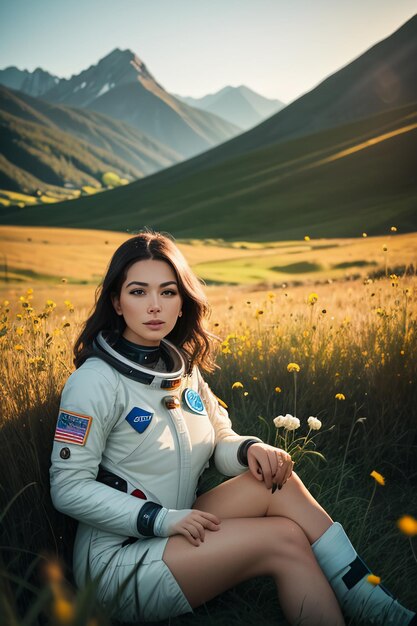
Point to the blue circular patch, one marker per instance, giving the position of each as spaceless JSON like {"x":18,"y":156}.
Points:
{"x":194,"y":402}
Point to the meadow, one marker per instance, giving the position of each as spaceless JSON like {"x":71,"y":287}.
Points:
{"x":336,"y":343}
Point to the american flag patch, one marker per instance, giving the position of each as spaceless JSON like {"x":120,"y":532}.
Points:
{"x":72,"y":428}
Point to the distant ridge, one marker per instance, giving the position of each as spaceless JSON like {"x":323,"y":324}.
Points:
{"x":34,"y":83}
{"x":239,"y":105}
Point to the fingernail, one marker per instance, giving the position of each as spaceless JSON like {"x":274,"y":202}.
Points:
{"x":274,"y":488}
{"x":279,"y":486}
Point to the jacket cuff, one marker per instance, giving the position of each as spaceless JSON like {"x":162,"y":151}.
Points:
{"x":242,"y":453}
{"x":147,"y":517}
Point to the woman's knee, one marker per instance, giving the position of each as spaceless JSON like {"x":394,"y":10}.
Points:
{"x":290,"y":539}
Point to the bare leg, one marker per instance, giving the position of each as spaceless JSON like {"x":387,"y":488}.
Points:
{"x":244,"y":496}
{"x":245,"y":548}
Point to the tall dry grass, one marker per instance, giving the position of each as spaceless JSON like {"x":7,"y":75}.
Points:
{"x":356,"y":351}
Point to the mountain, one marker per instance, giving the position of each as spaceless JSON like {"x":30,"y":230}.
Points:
{"x":383,"y":78}
{"x":335,"y":183}
{"x":121,"y":86}
{"x":45,"y":144}
{"x":283,"y":179}
{"x":33,"y":83}
{"x":239,"y":105}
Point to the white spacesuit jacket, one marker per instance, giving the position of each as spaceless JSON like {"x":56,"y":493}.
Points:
{"x":164,"y":461}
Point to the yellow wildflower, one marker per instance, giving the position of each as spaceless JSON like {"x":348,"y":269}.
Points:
{"x":340,"y":396}
{"x":393,"y":229}
{"x":259,"y":343}
{"x":306,"y":238}
{"x":384,"y":248}
{"x":271,"y":295}
{"x":20,"y":330}
{"x":220,"y":401}
{"x":64,"y":280}
{"x":6,"y":302}
{"x":19,"y":316}
{"x":36,"y":360}
{"x":36,"y":324}
{"x":237,"y":385}
{"x":364,"y":235}
{"x":246,"y":393}
{"x":312,"y":298}
{"x":378,"y":477}
{"x":293,"y":367}
{"x":278,"y":389}
{"x":407,"y":525}
{"x":63,"y":610}
{"x":374,"y":580}
{"x":50,"y":304}
{"x":18,"y":347}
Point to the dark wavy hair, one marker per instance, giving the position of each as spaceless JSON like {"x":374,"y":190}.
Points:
{"x":188,"y":333}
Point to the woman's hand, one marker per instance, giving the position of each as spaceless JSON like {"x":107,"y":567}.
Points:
{"x":272,"y":465}
{"x":191,"y":523}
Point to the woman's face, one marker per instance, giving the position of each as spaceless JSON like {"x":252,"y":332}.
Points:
{"x":149,"y":301}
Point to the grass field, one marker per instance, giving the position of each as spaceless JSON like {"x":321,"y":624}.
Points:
{"x":49,"y":255}
{"x":351,"y":330}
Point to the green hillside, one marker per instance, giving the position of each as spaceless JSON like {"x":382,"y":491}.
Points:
{"x":45,"y":145}
{"x":308,"y":186}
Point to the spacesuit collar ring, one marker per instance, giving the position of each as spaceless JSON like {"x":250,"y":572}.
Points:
{"x":103,"y":350}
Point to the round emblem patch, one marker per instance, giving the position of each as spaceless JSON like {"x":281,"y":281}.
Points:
{"x":65,"y":453}
{"x":194,"y":402}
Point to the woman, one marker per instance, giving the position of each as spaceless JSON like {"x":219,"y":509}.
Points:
{"x":136,"y":428}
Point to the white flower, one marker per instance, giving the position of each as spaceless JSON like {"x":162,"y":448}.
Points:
{"x":314,"y":423}
{"x":287,"y":421}
{"x":292,"y":423}
{"x":280,"y":420}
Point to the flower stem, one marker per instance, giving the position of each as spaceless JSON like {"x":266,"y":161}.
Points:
{"x":295,"y":394}
{"x":365,"y":516}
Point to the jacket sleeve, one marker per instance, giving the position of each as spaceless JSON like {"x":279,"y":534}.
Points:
{"x":74,"y":490}
{"x":227,"y":442}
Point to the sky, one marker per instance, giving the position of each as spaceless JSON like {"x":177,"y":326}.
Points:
{"x":279,"y":48}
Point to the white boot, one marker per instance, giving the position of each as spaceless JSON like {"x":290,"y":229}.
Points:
{"x":347,"y":574}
